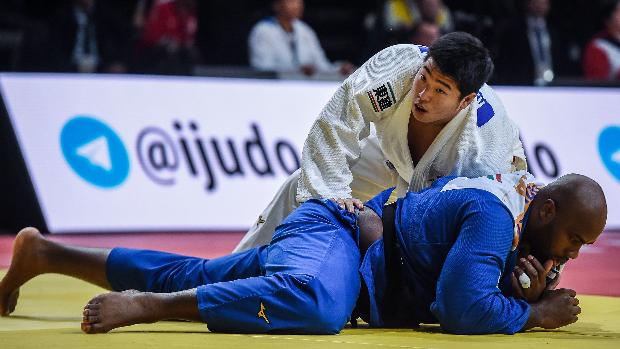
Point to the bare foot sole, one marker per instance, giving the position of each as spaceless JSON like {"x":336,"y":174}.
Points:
{"x":25,"y":264}
{"x":108,"y":311}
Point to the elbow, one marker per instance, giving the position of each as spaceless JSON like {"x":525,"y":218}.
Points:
{"x":453,"y":318}
{"x":476,"y":318}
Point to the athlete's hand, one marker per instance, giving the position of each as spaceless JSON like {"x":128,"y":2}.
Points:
{"x":556,"y":308}
{"x":553,"y":284}
{"x":538,"y":278}
{"x":350,"y":204}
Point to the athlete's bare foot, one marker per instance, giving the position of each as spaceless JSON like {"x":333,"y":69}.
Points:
{"x":28,"y":255}
{"x":108,"y":311}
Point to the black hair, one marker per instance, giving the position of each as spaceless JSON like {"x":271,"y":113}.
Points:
{"x":464,"y":58}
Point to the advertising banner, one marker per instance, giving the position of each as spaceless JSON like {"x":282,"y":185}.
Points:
{"x":137,"y":153}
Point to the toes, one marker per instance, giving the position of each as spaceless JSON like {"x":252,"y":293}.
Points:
{"x":92,"y":306}
{"x":94,"y":328}
{"x":11,"y":302}
{"x":90,"y":319}
{"x":85,"y":327}
{"x":90,"y":316}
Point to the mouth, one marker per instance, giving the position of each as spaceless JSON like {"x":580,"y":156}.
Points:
{"x":419,"y":108}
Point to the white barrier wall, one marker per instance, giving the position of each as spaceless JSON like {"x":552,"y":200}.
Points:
{"x":117,"y":153}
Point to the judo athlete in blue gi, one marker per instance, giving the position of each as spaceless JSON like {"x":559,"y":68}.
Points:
{"x":449,"y":254}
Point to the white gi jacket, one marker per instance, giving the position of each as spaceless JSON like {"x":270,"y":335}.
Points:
{"x":343,"y":158}
{"x":273,"y":49}
{"x":481,"y":139}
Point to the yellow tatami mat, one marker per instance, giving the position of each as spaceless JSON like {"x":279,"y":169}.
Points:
{"x":49,"y":312}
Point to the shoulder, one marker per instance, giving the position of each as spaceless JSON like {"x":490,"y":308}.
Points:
{"x":488,"y":106}
{"x":395,"y":65}
{"x":265,"y":25}
{"x":303,"y":27}
{"x":492,"y":192}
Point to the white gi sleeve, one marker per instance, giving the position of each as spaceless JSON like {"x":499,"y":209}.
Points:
{"x":331,"y":147}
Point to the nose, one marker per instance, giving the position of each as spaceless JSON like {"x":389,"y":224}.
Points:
{"x":424,"y":96}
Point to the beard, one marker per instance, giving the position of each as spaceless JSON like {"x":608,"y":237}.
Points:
{"x":538,"y":243}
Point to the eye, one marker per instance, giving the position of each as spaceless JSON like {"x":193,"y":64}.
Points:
{"x":575,"y":240}
{"x":440,"y":91}
{"x":422,"y":77}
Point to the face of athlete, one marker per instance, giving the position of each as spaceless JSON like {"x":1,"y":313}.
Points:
{"x":436,"y":97}
{"x":560,"y":236}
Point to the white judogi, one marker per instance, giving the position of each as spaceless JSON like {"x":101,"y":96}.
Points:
{"x":344,"y":157}
{"x":273,"y":49}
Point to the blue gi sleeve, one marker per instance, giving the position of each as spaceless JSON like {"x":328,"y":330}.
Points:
{"x":468,"y":296}
{"x":376,"y":204}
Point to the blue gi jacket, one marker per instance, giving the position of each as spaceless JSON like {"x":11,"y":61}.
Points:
{"x":456,"y":250}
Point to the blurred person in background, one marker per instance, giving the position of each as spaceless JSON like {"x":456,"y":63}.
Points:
{"x":284,"y":43}
{"x":169,"y":29}
{"x":75,"y":38}
{"x":88,"y":37}
{"x":527,"y":56}
{"x":425,"y":34}
{"x":404,"y":15}
{"x":601,"y":60}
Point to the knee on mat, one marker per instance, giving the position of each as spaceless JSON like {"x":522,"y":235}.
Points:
{"x":326,"y":315}
{"x":326,"y":322}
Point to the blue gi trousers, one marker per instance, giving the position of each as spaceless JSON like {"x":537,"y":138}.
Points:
{"x":305,"y":281}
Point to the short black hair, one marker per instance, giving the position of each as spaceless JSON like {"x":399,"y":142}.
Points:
{"x":464,"y":58}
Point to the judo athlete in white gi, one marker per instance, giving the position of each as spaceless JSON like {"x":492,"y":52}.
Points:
{"x":406,"y":117}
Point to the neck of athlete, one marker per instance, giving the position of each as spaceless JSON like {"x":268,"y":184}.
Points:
{"x":420,"y":136}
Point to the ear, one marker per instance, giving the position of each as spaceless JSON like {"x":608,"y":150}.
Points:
{"x":466,"y":101}
{"x":547,"y":211}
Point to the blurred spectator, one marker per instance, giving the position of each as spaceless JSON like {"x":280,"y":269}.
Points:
{"x":425,"y":33}
{"x":284,"y":43}
{"x":526,"y":54}
{"x":601,"y":58}
{"x":85,"y":36}
{"x":168,"y":36}
{"x":405,"y":15}
{"x":75,"y":38}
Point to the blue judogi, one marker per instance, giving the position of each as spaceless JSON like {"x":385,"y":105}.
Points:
{"x":457,"y":260}
{"x":456,"y":250}
{"x":305,"y":281}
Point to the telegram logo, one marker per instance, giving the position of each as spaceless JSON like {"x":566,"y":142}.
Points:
{"x":609,"y":149}
{"x":94,"y":152}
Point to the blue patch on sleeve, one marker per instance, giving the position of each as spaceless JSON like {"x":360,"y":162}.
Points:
{"x":422,"y":48}
{"x":485,"y":110}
